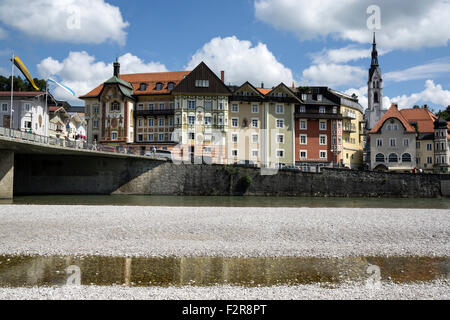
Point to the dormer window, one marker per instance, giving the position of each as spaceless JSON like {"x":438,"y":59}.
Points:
{"x":159,"y":86}
{"x":202,"y":83}
{"x":171,"y":85}
{"x":319,"y":97}
{"x":142,"y":87}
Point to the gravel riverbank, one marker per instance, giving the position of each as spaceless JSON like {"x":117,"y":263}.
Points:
{"x":240,"y":232}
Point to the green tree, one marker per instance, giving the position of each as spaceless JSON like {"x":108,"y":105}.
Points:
{"x":21,"y":84}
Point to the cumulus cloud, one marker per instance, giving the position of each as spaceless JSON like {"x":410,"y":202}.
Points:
{"x":343,"y":55}
{"x":433,"y":93}
{"x":242,"y":61}
{"x":334,"y":75}
{"x":78,"y":21}
{"x":81,"y":72}
{"x":402,"y":26}
{"x":429,"y":70}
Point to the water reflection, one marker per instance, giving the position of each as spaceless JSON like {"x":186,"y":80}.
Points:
{"x":26,"y":271}
{"x":193,"y":201}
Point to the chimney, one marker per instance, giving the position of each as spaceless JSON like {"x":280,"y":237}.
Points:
{"x":222,"y":76}
{"x":425,"y":107}
{"x":117,"y":69}
{"x":262,"y":85}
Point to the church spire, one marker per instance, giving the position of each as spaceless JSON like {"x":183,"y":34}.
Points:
{"x":374,"y":52}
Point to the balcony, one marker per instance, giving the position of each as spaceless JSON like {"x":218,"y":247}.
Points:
{"x":304,"y":115}
{"x":349,"y":128}
{"x":349,"y":115}
{"x":145,"y":113}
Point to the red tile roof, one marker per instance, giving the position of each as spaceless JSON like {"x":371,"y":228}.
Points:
{"x":21,"y":93}
{"x":393,"y":112}
{"x":150,"y":79}
{"x":424,"y":118}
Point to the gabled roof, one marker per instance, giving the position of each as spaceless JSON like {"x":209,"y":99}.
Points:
{"x":133,"y":81}
{"x":289,"y":90}
{"x":422,"y":116}
{"x":393,"y":112}
{"x":257,"y":91}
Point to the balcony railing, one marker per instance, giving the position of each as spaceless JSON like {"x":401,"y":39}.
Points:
{"x":349,"y":128}
{"x":349,"y":115}
{"x":164,"y":112}
{"x":305,"y":115}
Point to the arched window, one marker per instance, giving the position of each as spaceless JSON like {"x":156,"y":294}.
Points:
{"x":393,"y":158}
{"x":170,"y":86}
{"x":142,"y":87}
{"x":406,"y":157}
{"x":379,"y":157}
{"x":375,"y":97}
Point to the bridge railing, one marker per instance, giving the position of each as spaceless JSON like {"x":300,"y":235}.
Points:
{"x":64,"y":143}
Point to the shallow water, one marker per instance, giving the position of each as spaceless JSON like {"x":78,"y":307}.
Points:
{"x":27,"y":271}
{"x":196,"y":201}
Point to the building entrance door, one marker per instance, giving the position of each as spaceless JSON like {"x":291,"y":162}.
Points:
{"x":6,"y":121}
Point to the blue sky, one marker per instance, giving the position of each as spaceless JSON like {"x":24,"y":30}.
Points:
{"x":261,"y":41}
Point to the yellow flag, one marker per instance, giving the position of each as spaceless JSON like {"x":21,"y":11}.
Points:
{"x":24,"y":71}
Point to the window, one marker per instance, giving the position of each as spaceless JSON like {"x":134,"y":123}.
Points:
{"x":178,"y":121}
{"x":255,"y":138}
{"x":303,"y":139}
{"x":171,"y":121}
{"x":280,"y":109}
{"x":255,"y":108}
{"x":392,"y":142}
{"x":393,"y":158}
{"x":202,"y":83}
{"x":302,"y":109}
{"x":95,"y":124}
{"x":191,"y":104}
{"x":255,"y":123}
{"x":220,"y":106}
{"x":234,"y":137}
{"x":140,"y":123}
{"x":191,"y":135}
{"x":406,"y":157}
{"x":395,"y":127}
{"x":115,"y":106}
{"x":208,"y":105}
{"x":375,"y":97}
{"x":114,"y":136}
{"x":234,"y":153}
{"x":208,"y":121}
{"x":170,"y":86}
{"x":27,"y":107}
{"x":389,"y":127}
{"x":323,"y":154}
{"x":323,"y":140}
{"x":151,"y":122}
{"x":323,"y":125}
{"x":280,"y":138}
{"x":191,"y":120}
{"x":172,"y":106}
{"x":334,"y":110}
{"x":142,"y":87}
{"x":379,"y":157}
{"x":151,"y":106}
{"x":303,"y":154}
{"x":405,"y":142}
{"x":159,"y":86}
{"x":429,"y":146}
{"x":140,"y":137}
{"x":140,"y":106}
{"x":220,"y":120}
{"x":4,"y":107}
{"x":162,"y":106}
{"x":234,"y":122}
{"x":27,"y":124}
{"x":304,"y":96}
{"x":161,"y":122}
{"x":280,"y":123}
{"x":379,"y":142}
{"x":430,"y":160}
{"x":234,"y":108}
{"x":151,"y":137}
{"x":254,"y":153}
{"x":161,"y":137}
{"x":280,"y":153}
{"x":321,"y":109}
{"x":303,"y":124}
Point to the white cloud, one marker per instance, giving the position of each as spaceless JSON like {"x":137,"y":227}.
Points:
{"x":81,"y":72}
{"x":78,"y":21}
{"x":402,"y":26}
{"x":433,"y":93}
{"x":425,"y":71}
{"x":343,"y":55}
{"x":334,"y":75}
{"x":242,"y":62}
{"x":3,"y":33}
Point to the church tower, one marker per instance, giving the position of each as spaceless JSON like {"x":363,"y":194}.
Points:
{"x":375,"y":109}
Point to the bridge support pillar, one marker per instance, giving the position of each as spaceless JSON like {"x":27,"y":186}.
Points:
{"x":6,"y":174}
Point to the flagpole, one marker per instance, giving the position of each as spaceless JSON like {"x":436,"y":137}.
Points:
{"x":12,"y":92}
{"x":46,"y":109}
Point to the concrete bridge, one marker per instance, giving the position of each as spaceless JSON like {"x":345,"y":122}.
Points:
{"x":26,"y":158}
